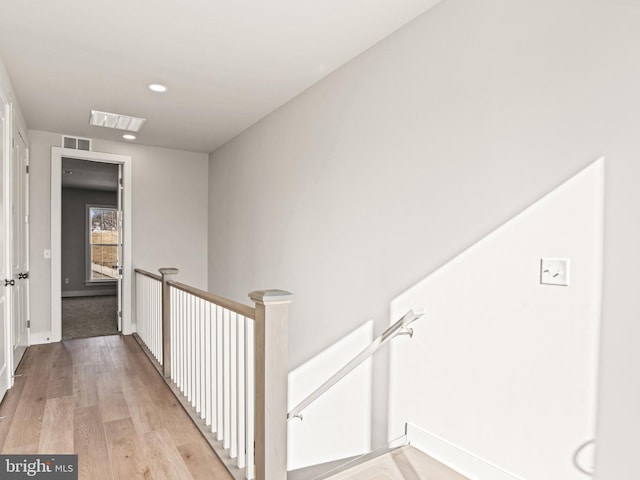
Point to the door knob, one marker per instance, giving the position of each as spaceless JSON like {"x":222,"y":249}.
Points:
{"x":11,"y":282}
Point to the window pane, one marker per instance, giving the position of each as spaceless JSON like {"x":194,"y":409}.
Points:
{"x":104,"y":262}
{"x":104,"y":225}
{"x":103,"y":237}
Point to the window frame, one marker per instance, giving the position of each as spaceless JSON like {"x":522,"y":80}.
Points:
{"x":88,"y":245}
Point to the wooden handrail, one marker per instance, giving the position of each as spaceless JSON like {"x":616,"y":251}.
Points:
{"x":236,"y":307}
{"x":148,"y":274}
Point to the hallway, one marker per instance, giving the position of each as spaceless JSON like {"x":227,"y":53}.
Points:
{"x":102,"y":399}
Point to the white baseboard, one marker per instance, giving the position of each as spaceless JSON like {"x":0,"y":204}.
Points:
{"x":38,"y":338}
{"x":463,"y":462}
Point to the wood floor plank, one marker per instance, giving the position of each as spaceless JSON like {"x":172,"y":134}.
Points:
{"x":175,"y":419}
{"x":26,"y":426}
{"x":61,"y":379}
{"x":85,"y":388}
{"x":30,"y":449}
{"x":113,"y":405}
{"x":126,"y":453}
{"x":57,"y":426}
{"x":202,"y":462}
{"x":90,"y":444}
{"x":163,"y":458}
{"x":8,"y":407}
{"x":142,"y":410}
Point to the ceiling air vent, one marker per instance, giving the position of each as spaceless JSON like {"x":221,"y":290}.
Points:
{"x":76,"y":143}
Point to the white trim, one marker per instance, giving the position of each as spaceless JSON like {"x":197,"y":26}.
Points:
{"x":38,"y":338}
{"x":56,"y":231}
{"x":458,"y":459}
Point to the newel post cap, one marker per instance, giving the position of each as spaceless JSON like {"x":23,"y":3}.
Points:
{"x":271,"y":297}
{"x":168,"y":271}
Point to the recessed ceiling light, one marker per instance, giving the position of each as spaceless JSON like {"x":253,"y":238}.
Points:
{"x":116,"y":120}
{"x":157,"y":87}
{"x":128,"y":136}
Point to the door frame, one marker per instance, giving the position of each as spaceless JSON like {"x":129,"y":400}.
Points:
{"x":57,"y":153}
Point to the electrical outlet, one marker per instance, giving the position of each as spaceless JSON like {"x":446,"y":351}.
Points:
{"x":554,"y":271}
{"x":66,"y":281}
{"x":47,"y":253}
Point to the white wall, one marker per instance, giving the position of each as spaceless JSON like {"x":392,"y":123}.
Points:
{"x":344,"y":408}
{"x":7,"y":88}
{"x":502,"y":366}
{"x":169,"y":202}
{"x":415,"y":150}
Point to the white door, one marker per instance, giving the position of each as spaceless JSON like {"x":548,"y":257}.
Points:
{"x":19,"y":247}
{"x":5,"y":270}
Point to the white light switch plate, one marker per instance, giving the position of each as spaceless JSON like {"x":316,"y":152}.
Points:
{"x":554,"y":271}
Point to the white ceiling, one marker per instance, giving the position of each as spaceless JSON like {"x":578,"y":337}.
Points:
{"x":227,"y":63}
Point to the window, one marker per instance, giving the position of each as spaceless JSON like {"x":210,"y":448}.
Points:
{"x":103,"y":244}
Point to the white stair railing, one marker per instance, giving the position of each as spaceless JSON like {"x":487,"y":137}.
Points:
{"x":149,"y":311}
{"x":229,"y":363}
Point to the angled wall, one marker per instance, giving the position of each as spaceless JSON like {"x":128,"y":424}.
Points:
{"x":412,"y":152}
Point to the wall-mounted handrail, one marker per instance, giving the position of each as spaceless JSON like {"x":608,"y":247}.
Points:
{"x":398,"y":328}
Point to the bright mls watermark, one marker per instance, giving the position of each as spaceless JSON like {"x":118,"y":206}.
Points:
{"x":50,"y":467}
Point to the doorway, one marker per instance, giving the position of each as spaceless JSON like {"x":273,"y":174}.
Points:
{"x":91,"y":248}
{"x":96,"y":280}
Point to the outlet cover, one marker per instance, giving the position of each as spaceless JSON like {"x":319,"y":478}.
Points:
{"x":554,"y":271}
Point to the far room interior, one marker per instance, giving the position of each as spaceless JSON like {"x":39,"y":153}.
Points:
{"x":90,"y":248}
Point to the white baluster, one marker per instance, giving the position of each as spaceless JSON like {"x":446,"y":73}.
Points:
{"x":240,"y":409}
{"x":219,"y":373}
{"x":226,"y":427}
{"x":174,"y":346}
{"x":195,"y":319}
{"x":207,"y":364}
{"x":233,"y":385}
{"x":203,"y":362}
{"x":249,"y":368}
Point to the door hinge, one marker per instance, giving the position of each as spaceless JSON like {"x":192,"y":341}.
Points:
{"x":120,"y":271}
{"x":119,"y":314}
{"x":28,"y":323}
{"x":27,"y":169}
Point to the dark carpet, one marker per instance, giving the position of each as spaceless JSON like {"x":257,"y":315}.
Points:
{"x":89,"y":317}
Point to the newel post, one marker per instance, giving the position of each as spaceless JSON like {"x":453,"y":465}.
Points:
{"x":166,"y":320}
{"x":271,"y":331}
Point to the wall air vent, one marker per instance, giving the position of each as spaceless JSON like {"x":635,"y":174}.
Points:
{"x":76,"y":143}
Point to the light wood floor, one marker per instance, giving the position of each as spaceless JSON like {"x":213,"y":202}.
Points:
{"x":102,"y":399}
{"x":405,"y":463}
